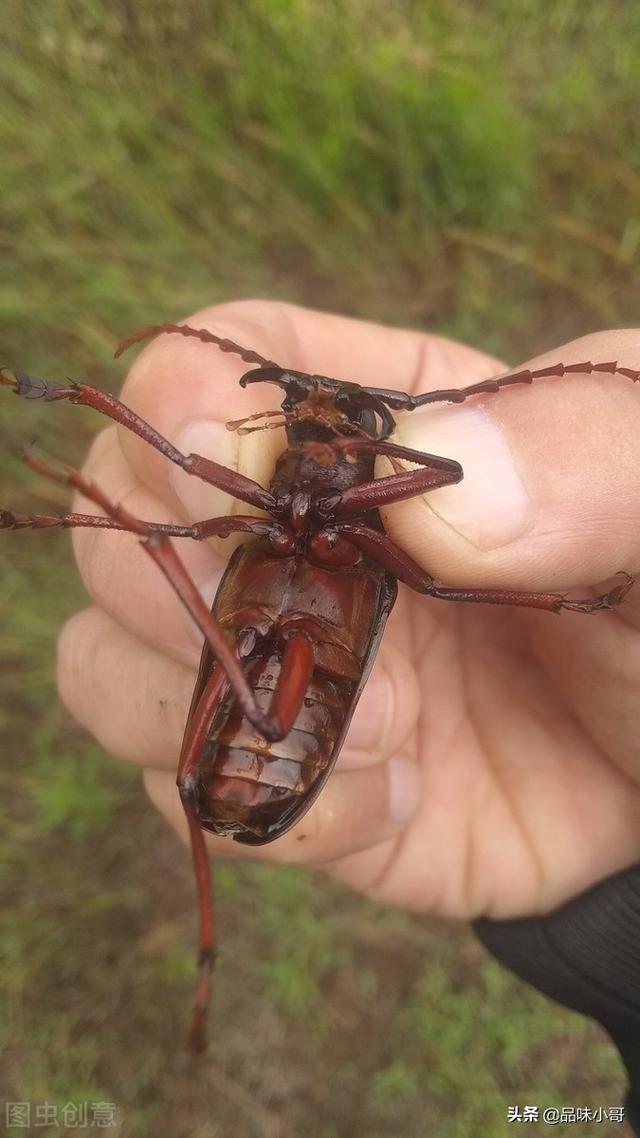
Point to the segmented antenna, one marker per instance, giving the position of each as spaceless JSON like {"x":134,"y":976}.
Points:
{"x":203,"y":334}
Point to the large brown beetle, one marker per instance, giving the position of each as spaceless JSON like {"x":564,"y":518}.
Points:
{"x":300,"y":611}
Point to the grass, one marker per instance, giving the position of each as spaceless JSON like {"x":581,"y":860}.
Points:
{"x":461,"y":167}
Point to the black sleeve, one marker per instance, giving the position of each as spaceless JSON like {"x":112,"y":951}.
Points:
{"x":585,"y":955}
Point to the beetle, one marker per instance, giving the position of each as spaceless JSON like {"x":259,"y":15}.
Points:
{"x":300,"y":612}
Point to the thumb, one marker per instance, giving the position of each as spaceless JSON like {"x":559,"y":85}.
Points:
{"x":550,"y":497}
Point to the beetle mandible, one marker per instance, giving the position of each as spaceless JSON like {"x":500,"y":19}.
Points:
{"x":300,"y":612}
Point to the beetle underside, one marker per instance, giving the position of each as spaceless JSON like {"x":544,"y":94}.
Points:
{"x":300,"y":612}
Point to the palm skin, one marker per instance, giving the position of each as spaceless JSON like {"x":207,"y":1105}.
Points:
{"x":492,"y":766}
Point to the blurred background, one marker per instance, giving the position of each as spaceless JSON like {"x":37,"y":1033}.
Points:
{"x":471,"y":169}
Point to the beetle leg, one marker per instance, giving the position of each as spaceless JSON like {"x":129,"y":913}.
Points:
{"x":437,"y":472}
{"x":552,"y":602}
{"x":295,"y":673}
{"x":298,"y":654}
{"x":380,"y":547}
{"x":198,"y":531}
{"x":160,"y":549}
{"x":162,"y":552}
{"x":206,"y":940}
{"x":9,"y":520}
{"x":198,"y":726}
{"x":383,"y":550}
{"x":231,"y":481}
{"x":211,"y":527}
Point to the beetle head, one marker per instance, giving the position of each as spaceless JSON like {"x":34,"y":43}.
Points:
{"x":341,"y":406}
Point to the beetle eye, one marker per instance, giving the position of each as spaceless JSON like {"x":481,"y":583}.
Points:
{"x":349,"y":405}
{"x":296,"y":393}
{"x":357,"y":413}
{"x":367,"y":420}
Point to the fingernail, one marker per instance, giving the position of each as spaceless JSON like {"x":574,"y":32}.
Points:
{"x":491,"y":506}
{"x":211,"y":439}
{"x":405,"y":789}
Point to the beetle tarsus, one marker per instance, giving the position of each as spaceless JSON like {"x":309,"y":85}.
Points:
{"x":603,"y":601}
{"x":9,"y":520}
{"x":33,"y":387}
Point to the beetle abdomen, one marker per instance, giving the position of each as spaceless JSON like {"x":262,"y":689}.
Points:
{"x":247,"y":784}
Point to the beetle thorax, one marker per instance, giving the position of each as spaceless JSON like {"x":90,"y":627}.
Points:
{"x":314,"y":470}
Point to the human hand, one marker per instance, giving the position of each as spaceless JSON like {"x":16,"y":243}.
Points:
{"x":492,"y":765}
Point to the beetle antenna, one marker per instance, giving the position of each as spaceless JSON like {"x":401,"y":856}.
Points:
{"x":203,"y":334}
